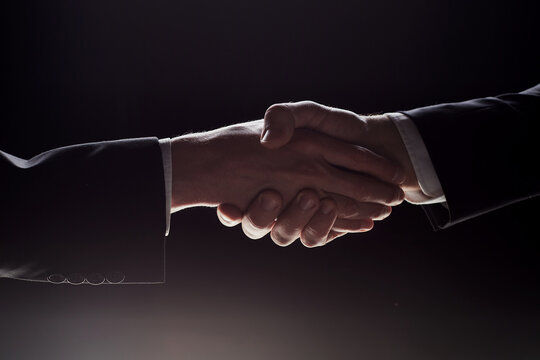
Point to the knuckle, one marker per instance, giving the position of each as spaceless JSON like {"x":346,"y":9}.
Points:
{"x":311,"y":237}
{"x":304,"y":202}
{"x":252,"y":231}
{"x":308,"y":194}
{"x":268,"y":201}
{"x":270,"y":193}
{"x":309,"y":105}
{"x":253,"y":222}
{"x":225,"y":221}
{"x":381,"y":212}
{"x":367,"y":225}
{"x":394,"y":195}
{"x":279,"y":239}
{"x":252,"y":235}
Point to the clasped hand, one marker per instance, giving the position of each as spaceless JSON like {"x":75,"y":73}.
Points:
{"x":315,"y":183}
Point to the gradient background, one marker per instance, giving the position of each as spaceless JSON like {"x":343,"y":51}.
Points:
{"x":99,"y":70}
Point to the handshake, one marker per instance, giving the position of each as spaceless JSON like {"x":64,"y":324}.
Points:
{"x":306,"y":171}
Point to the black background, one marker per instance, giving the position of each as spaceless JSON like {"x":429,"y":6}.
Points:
{"x":99,"y":70}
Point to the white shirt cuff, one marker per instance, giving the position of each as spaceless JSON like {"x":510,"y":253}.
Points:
{"x":431,"y":189}
{"x":165,"y":145}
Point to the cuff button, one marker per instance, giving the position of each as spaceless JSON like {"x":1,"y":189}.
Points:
{"x":95,"y":279}
{"x":115,"y":277}
{"x":56,"y":278}
{"x":75,"y":279}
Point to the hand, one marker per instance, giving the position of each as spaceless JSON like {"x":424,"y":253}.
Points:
{"x":229,"y":165}
{"x":334,"y":217}
{"x":375,"y":132}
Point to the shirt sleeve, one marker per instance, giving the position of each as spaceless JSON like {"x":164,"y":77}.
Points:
{"x":431,"y":189}
{"x":165,"y":145}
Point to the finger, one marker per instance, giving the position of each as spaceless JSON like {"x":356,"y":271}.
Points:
{"x":348,"y":208}
{"x":349,"y":156}
{"x":315,"y":233}
{"x":352,"y":226}
{"x":383,"y":213}
{"x":290,"y":223}
{"x":361,"y":188}
{"x":334,"y":235}
{"x":229,"y":215}
{"x":358,"y":158}
{"x":280,"y":120}
{"x":261,"y":214}
{"x":366,"y":211}
{"x":356,"y":211}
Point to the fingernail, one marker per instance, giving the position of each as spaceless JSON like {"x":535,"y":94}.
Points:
{"x":327,"y":208}
{"x":268,"y":203}
{"x":265,"y":135}
{"x":305,"y":202}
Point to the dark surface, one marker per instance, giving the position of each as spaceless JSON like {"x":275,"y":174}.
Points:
{"x":78,"y":72}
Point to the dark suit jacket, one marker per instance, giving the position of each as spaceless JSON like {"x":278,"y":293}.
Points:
{"x":91,"y":213}
{"x":485,"y":152}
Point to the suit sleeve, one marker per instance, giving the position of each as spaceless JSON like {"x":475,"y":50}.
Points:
{"x":91,"y":213}
{"x":485,"y":153}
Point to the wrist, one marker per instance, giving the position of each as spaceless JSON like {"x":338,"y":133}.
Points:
{"x":383,"y":137}
{"x":191,"y":164}
{"x":218,"y":166}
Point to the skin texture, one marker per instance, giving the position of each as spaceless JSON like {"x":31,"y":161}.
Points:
{"x":316,"y":228}
{"x":313,"y":173}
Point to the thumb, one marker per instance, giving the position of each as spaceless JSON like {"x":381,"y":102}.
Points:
{"x":279,"y":124}
{"x":280,"y":120}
